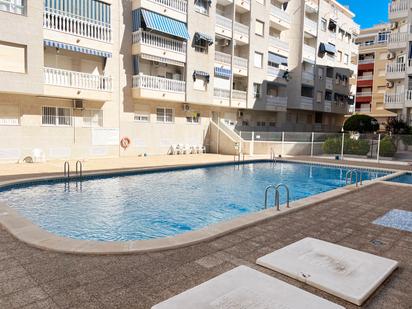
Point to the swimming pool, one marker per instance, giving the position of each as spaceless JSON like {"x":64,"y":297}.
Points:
{"x":405,"y":178}
{"x":151,"y":205}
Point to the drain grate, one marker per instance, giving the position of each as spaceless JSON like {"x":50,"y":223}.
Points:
{"x":377,"y":242}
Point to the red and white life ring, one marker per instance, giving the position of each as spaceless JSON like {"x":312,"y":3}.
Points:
{"x":125,"y":142}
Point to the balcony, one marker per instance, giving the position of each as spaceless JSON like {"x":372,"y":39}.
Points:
{"x":176,"y":9}
{"x":311,"y":6}
{"x":158,"y":45}
{"x":223,"y":58}
{"x":308,"y":78}
{"x":395,"y":71}
{"x":366,"y":64}
{"x":241,"y":34}
{"x":7,"y":6}
{"x":158,"y":88}
{"x":311,"y":27}
{"x":223,"y":26}
{"x":399,"y":9}
{"x":276,"y":74}
{"x":76,"y":25}
{"x":278,"y":46}
{"x":327,"y":106}
{"x":77,"y":85}
{"x":239,"y":98}
{"x":240,"y":66}
{"x":279,"y":18}
{"x":309,"y":52}
{"x":364,"y":109}
{"x":398,"y":40}
{"x":276,"y":103}
{"x":306,"y":103}
{"x":394,"y":100}
{"x":243,"y":5}
{"x":221,"y":97}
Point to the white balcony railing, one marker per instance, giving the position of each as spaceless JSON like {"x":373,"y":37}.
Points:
{"x":310,"y":25}
{"x":241,"y":28}
{"x":398,"y":37}
{"x":308,"y":76}
{"x":281,"y":14}
{"x":278,"y":43}
{"x":11,"y":7}
{"x":395,"y":68}
{"x":239,"y":94}
{"x":240,"y":62}
{"x":223,"y":22}
{"x":366,"y":109}
{"x":223,"y":57}
{"x":394,"y":99}
{"x":399,"y":6}
{"x":72,"y":79}
{"x":366,"y":77}
{"x":76,"y":25}
{"x":221,"y":93}
{"x":159,"y":41}
{"x":309,"y":51}
{"x":364,"y":94}
{"x":158,"y":83}
{"x":177,"y":5}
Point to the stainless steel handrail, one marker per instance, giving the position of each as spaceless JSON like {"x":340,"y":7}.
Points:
{"x":358,"y":175}
{"x":277,"y":196}
{"x":66,"y":169}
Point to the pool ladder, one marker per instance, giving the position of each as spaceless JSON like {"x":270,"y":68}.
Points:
{"x":358,"y":175}
{"x":79,"y":169}
{"x":239,"y":157}
{"x":277,"y":195}
{"x":273,"y":158}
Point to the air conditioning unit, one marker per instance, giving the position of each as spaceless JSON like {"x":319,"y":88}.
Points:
{"x":394,"y":25}
{"x":78,"y":104}
{"x":240,"y":114}
{"x":391,"y":56}
{"x":186,"y":107}
{"x":390,"y":84}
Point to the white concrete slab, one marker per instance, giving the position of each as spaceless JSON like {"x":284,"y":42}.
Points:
{"x":346,"y":273}
{"x":245,"y":288}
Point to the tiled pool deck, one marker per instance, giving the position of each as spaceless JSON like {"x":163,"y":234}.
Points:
{"x":34,"y":278}
{"x":41,"y":279}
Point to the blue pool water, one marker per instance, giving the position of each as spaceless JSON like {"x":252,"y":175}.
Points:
{"x":153,"y":205}
{"x":405,"y":178}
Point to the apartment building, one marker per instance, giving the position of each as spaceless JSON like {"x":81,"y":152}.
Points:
{"x":398,"y":97}
{"x":78,"y":76}
{"x":372,"y":69}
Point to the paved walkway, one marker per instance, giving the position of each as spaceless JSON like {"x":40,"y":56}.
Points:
{"x":32,"y":278}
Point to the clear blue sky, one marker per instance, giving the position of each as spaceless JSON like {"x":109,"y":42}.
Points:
{"x":368,"y":12}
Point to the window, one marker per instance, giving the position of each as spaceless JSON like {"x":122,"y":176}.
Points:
{"x":323,"y":24}
{"x":193,"y":118}
{"x":272,"y":124}
{"x":258,"y":60}
{"x":93,"y":118}
{"x":332,"y":25}
{"x":319,"y":96}
{"x":328,"y":96}
{"x":202,"y":6}
{"x":245,"y":123}
{"x":341,"y":33}
{"x":56,"y":116}
{"x":141,"y":117}
{"x":320,"y":73}
{"x":201,"y":46}
{"x":257,"y":90}
{"x":346,"y":59}
{"x":164,"y":115}
{"x":9,"y":115}
{"x":15,"y":55}
{"x":259,"y":27}
{"x":12,"y":6}
{"x":261,"y":124}
{"x":339,"y":56}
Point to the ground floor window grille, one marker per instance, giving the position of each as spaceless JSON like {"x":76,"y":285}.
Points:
{"x":139,"y":117}
{"x":56,"y":116}
{"x":164,"y":115}
{"x":93,"y":118}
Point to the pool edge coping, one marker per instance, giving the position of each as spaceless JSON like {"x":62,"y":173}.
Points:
{"x":32,"y":234}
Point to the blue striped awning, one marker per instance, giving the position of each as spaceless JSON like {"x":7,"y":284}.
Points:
{"x":222,"y":72}
{"x":77,"y":49}
{"x":92,"y":10}
{"x":275,"y":58}
{"x":154,"y":21}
